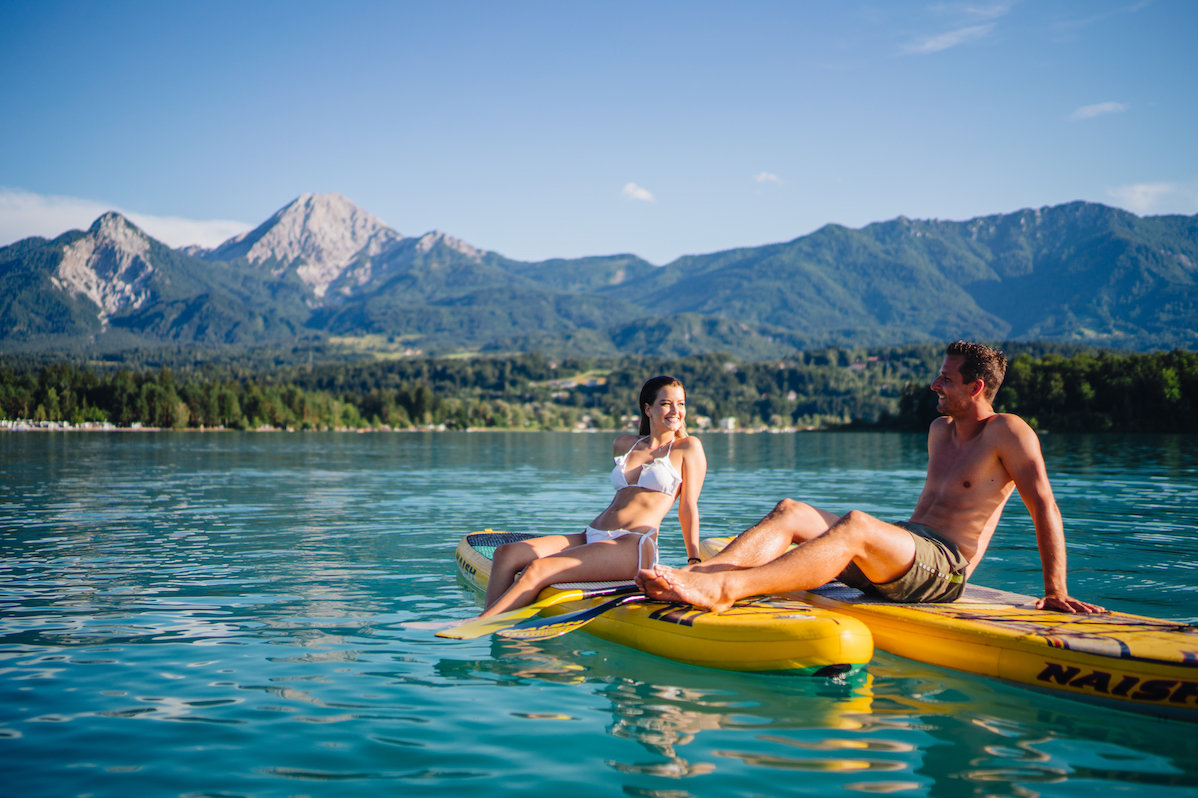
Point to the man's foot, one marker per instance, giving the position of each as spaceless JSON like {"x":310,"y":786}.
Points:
{"x":710,"y":567}
{"x":686,"y":587}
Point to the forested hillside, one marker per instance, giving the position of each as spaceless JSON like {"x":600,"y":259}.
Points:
{"x":1059,"y":391}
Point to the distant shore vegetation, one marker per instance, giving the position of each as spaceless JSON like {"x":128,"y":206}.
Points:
{"x":1056,"y":389}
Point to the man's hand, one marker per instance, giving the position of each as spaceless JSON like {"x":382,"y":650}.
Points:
{"x":1067,"y":604}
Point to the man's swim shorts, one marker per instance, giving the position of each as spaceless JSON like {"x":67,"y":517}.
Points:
{"x":938,"y":574}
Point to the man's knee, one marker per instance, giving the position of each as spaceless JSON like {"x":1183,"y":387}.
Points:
{"x":856,"y":521}
{"x":865,"y":533}
{"x":855,"y":518}
{"x":789,"y":508}
{"x":854,"y":524}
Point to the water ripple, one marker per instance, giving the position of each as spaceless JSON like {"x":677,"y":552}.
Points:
{"x":233,"y":614}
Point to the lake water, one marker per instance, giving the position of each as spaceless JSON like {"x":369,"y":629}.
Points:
{"x":242,"y":614}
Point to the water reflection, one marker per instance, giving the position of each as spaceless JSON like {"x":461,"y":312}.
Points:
{"x":668,"y":715}
{"x":901,"y":726}
{"x":665,"y":718}
{"x":255,"y":589}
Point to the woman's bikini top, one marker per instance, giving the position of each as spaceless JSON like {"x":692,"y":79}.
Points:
{"x":659,"y":474}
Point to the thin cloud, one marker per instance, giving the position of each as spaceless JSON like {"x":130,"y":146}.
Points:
{"x":1099,"y":109}
{"x":634,"y":192}
{"x":946,"y":41}
{"x":1075,"y":23}
{"x":767,"y":177}
{"x":1153,"y":198}
{"x":971,"y":22}
{"x":177,"y":232}
{"x":24,"y":214}
{"x":974,"y":11}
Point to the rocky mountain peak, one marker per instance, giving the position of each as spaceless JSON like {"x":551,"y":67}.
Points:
{"x":314,"y":228}
{"x":113,"y":229}
{"x":110,"y":265}
{"x":319,"y":235}
{"x":436,"y":237}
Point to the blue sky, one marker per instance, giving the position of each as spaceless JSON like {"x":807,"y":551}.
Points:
{"x":563,"y":129}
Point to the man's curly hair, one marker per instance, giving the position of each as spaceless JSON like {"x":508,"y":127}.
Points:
{"x":980,"y":362}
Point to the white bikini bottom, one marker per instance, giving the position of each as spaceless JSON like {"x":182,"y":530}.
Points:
{"x":595,"y":535}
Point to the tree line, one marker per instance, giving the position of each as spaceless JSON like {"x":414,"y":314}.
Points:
{"x":1057,"y":390}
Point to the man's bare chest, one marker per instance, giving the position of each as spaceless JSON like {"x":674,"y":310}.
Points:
{"x":970,"y":467}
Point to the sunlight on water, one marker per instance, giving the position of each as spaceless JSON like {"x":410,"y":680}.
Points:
{"x":246,"y":614}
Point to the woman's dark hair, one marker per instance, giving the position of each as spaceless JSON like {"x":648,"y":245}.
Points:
{"x":649,"y":393}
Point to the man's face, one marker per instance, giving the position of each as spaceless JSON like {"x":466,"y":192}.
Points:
{"x":951,"y":387}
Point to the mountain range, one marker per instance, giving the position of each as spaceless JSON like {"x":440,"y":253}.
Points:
{"x":321,"y":268}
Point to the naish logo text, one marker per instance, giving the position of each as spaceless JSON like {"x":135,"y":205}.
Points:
{"x":467,"y":567}
{"x":1172,"y":690}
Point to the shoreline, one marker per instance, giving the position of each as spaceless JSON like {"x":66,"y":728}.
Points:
{"x":26,"y":425}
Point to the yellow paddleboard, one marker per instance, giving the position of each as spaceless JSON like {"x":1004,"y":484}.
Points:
{"x":1128,"y":661}
{"x":762,"y":635}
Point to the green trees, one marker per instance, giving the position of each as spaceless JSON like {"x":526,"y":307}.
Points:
{"x":1155,"y":392}
{"x":1063,"y":392}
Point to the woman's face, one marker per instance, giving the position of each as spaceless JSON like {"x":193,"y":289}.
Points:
{"x":668,"y":410}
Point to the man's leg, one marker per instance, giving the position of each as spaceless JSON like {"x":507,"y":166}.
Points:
{"x":789,"y":522}
{"x":882,"y":551}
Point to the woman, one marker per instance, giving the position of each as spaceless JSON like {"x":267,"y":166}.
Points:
{"x":652,"y":469}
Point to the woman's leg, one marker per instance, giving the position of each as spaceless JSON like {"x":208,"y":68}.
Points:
{"x":594,"y":562}
{"x":512,"y":558}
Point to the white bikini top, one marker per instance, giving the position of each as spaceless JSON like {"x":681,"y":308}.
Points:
{"x":659,"y":474}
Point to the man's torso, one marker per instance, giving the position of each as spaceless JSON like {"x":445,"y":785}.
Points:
{"x":967,"y":485}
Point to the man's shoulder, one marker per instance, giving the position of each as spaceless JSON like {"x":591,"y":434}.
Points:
{"x":1008,"y":423}
{"x":1011,"y":436}
{"x":996,"y":427}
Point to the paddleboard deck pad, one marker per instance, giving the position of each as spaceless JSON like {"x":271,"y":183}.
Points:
{"x":776,"y":635}
{"x":1128,"y":661}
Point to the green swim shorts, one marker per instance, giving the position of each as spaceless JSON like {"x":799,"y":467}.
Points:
{"x":938,"y":574}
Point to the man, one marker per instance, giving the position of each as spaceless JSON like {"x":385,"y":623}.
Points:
{"x":976,"y":458}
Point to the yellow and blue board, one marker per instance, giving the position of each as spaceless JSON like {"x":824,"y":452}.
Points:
{"x":774,"y":635}
{"x":1127,"y":661}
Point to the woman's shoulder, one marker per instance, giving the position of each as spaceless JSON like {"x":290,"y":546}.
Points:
{"x":623,"y":442}
{"x":689,"y":443}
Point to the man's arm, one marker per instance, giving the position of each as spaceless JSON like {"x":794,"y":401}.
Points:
{"x":1023,"y":460}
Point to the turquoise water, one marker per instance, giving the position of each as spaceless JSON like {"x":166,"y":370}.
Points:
{"x":244,"y":614}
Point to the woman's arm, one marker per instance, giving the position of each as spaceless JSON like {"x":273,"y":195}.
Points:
{"x":694,"y":469}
